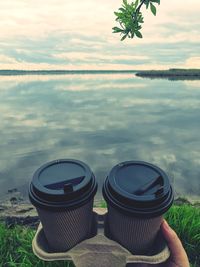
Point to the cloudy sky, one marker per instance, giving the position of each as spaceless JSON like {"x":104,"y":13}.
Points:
{"x":64,"y":34}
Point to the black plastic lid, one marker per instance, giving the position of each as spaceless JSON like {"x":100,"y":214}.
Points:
{"x":62,"y":184}
{"x":138,"y":188}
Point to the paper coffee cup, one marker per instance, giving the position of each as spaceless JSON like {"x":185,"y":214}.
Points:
{"x":137,"y":194}
{"x":62,"y":192}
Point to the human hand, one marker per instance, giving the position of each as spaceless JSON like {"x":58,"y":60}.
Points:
{"x":178,"y":256}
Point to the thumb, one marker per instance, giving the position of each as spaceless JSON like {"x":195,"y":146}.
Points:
{"x":178,"y":254}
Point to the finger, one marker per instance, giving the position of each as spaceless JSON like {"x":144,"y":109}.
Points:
{"x":178,"y":253}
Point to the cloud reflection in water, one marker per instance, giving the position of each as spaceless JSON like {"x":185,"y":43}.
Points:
{"x":102,"y":120}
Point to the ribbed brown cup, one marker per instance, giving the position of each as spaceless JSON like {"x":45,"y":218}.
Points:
{"x":135,"y":234}
{"x":65,"y":229}
{"x":63,"y":193}
{"x":137,"y":195}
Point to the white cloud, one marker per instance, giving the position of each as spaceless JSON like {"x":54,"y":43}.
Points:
{"x":190,"y":85}
{"x":37,"y":21}
{"x":7,"y":60}
{"x":88,"y":55}
{"x":193,"y":62}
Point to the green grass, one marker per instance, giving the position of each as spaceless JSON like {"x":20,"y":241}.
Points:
{"x":185,"y":220}
{"x":16,"y":250}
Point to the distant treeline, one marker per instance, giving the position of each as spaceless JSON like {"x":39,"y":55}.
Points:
{"x":171,"y":74}
{"x":60,"y":72}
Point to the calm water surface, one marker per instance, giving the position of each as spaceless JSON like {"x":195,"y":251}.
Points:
{"x":102,"y":120}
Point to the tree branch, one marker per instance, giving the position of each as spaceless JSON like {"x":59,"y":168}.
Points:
{"x":138,"y":9}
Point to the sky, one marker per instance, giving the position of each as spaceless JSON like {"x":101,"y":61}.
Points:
{"x":77,"y":35}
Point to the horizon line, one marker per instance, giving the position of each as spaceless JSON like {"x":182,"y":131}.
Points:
{"x":66,"y":70}
{"x":14,"y":72}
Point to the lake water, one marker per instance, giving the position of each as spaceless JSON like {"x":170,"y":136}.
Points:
{"x":101,"y":119}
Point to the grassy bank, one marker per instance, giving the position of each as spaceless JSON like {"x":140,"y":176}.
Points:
{"x":15,"y":243}
{"x":185,"y":220}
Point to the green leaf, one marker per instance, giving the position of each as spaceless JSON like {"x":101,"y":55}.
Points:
{"x":130,"y":18}
{"x":124,"y":37}
{"x":117,"y":14}
{"x":156,"y":1}
{"x":136,"y":3}
{"x":147,"y":3}
{"x":153,"y":9}
{"x":116,"y":29}
{"x":122,"y":9}
{"x":125,"y":2}
{"x":138,"y":34}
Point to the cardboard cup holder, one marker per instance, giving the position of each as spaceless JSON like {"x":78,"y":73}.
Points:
{"x":98,"y":250}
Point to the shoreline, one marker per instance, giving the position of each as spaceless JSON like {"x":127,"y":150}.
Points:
{"x":15,"y":210}
{"x":171,"y":74}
